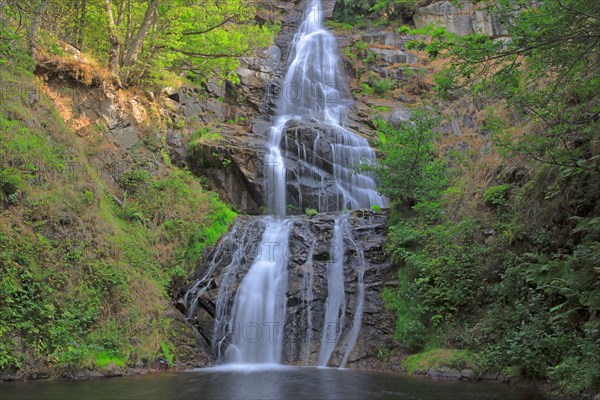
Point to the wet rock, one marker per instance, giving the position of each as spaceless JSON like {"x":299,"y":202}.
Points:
{"x":234,"y":168}
{"x":444,"y":373}
{"x":256,"y":74}
{"x":160,"y":364}
{"x":8,"y":374}
{"x":85,"y":374}
{"x":309,"y":255}
{"x":41,"y":373}
{"x":112,"y":370}
{"x":137,"y":371}
{"x":467,"y":374}
{"x":385,"y":38}
{"x":490,"y":376}
{"x":191,"y":350}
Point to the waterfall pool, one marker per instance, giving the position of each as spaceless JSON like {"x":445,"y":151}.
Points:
{"x":267,"y":382}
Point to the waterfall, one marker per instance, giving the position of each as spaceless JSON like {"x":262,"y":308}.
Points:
{"x":309,"y":162}
{"x":314,"y":95}
{"x":258,"y":312}
{"x":336,"y":298}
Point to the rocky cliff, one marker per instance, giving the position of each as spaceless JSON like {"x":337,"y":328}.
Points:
{"x":462,"y":18}
{"x":366,"y":267}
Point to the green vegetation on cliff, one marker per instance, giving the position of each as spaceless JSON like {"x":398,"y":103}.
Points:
{"x":86,"y":268}
{"x":502,"y":259}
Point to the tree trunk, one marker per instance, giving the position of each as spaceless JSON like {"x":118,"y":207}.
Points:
{"x":138,"y":40}
{"x":115,"y":43}
{"x":35,"y":26}
{"x":81,"y":25}
{"x":128,"y":35}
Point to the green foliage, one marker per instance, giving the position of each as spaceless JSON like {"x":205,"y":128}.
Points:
{"x":83,"y":280}
{"x":361,"y":46}
{"x":497,"y":196}
{"x":129,"y":212}
{"x":12,"y":52}
{"x":512,"y":276}
{"x":385,"y":11}
{"x":578,"y":371}
{"x":203,"y":136}
{"x":531,"y":312}
{"x":11,"y":181}
{"x":134,"y":181}
{"x":311,"y":212}
{"x":410,"y":330}
{"x":157,"y":40}
{"x":367,"y":90}
{"x":382,"y":86}
{"x":344,"y":26}
{"x":196,"y":43}
{"x":236,"y":120}
{"x":165,"y":156}
{"x":437,"y":358}
{"x":532,"y":72}
{"x":410,"y":149}
{"x":174,"y":209}
{"x":167,"y":350}
{"x":361,"y":57}
{"x":349,"y":10}
{"x":404,"y":29}
{"x":104,"y":358}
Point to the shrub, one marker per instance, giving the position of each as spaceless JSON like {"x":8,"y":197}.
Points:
{"x":311,"y":212}
{"x":497,"y":196}
{"x":11,"y":180}
{"x":382,"y":86}
{"x":134,"y":181}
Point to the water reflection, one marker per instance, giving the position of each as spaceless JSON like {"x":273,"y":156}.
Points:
{"x":278,"y":383}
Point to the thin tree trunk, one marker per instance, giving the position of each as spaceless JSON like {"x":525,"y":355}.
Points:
{"x":152,"y":50}
{"x":115,"y":43}
{"x":138,"y":40}
{"x":74,"y":30}
{"x":3,"y":4}
{"x":128,"y":35}
{"x":120,"y":13}
{"x":81,"y":25}
{"x":35,"y":26}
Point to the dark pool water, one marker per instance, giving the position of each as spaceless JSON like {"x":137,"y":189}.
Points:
{"x":279,"y":384}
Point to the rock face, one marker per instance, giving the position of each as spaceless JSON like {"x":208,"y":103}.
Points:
{"x":256,"y":73}
{"x":233,"y":166}
{"x":462,"y":19}
{"x":309,"y":253}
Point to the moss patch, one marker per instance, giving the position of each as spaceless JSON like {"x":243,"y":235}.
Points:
{"x":438,"y":358}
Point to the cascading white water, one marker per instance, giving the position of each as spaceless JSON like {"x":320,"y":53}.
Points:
{"x":313,"y":92}
{"x":313,"y":89}
{"x":259,"y":308}
{"x":335,"y":306}
{"x":350,"y":341}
